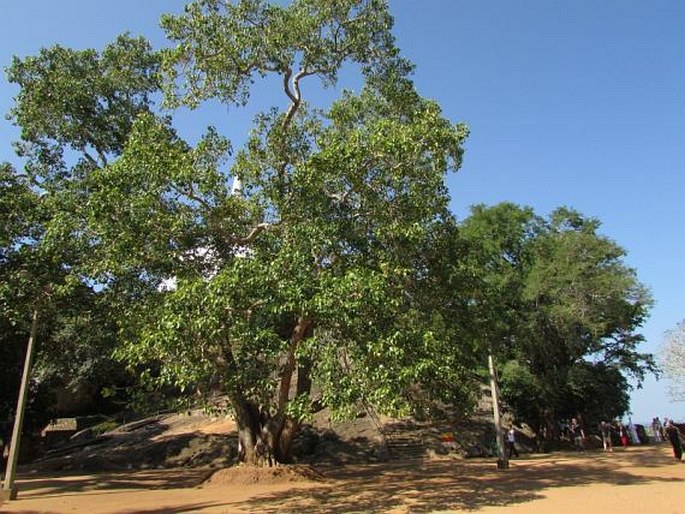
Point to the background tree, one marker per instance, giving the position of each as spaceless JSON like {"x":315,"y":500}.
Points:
{"x":25,"y":275}
{"x":563,"y":310}
{"x":494,"y":242}
{"x":672,"y":359}
{"x":74,"y":109}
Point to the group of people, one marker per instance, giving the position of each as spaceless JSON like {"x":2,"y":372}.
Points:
{"x":627,"y":434}
{"x":668,"y":431}
{"x":573,"y":431}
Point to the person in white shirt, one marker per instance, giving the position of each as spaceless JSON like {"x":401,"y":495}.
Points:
{"x":511,"y":442}
{"x":632,"y":431}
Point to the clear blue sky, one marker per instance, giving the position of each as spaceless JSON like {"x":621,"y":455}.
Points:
{"x":577,"y":103}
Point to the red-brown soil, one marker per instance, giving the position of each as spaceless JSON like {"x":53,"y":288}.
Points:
{"x":641,"y":480}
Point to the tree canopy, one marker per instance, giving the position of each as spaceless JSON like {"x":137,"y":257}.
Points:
{"x":317,"y":271}
{"x":332,"y":273}
{"x":569,"y":310}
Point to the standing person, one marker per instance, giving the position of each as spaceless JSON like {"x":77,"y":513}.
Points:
{"x":623,"y":435}
{"x":578,"y":435}
{"x":511,"y":442}
{"x":632,"y":431}
{"x":541,"y":438}
{"x":673,"y":435}
{"x":605,"y":429}
{"x":656,"y":430}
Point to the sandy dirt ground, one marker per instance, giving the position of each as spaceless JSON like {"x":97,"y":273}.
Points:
{"x":641,"y":480}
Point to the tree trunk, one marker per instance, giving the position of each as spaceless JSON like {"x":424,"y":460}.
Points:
{"x":248,"y":428}
{"x":288,"y":433}
{"x":265,"y":438}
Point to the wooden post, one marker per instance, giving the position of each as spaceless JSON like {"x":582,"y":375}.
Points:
{"x":502,"y":460}
{"x":9,"y":491}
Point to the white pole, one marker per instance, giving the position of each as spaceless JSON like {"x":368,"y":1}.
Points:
{"x":502,"y":460}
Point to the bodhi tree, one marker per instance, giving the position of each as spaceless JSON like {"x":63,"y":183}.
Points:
{"x":316,"y":285}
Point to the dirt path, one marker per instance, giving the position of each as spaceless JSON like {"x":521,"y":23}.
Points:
{"x":642,"y":480}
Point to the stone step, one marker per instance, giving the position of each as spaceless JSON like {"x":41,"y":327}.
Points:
{"x":405,"y":446}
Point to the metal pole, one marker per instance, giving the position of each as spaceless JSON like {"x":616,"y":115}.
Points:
{"x":8,"y":489}
{"x":502,"y":460}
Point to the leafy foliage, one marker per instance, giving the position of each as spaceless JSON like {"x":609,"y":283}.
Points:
{"x":321,"y":271}
{"x":75,"y":109}
{"x":568,"y":311}
{"x":337,"y":276}
{"x":81,"y":101}
{"x":672,"y":358}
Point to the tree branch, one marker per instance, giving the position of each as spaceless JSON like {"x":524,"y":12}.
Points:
{"x":299,"y":333}
{"x":286,"y":85}
{"x":103,"y":159}
{"x":190,"y":193}
{"x":293,"y":93}
{"x":253,"y":233}
{"x":90,"y":159}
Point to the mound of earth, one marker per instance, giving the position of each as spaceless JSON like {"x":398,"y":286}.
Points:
{"x":197,"y":439}
{"x":166,"y":441}
{"x":246,"y":475}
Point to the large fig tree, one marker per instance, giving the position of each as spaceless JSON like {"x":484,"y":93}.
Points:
{"x":318,"y":280}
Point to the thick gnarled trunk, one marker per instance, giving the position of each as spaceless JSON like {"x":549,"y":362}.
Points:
{"x":265,"y":438}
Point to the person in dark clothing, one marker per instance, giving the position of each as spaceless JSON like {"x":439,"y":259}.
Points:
{"x":673,"y":435}
{"x":578,"y":435}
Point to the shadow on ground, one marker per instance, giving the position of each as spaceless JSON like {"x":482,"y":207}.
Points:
{"x":179,"y":509}
{"x":414,"y":486}
{"x":445,"y":485}
{"x":111,"y":482}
